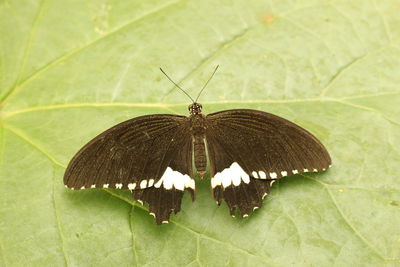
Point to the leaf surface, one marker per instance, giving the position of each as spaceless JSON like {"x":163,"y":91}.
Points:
{"x":71,"y":69}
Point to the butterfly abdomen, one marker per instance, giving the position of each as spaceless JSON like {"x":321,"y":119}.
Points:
{"x":200,"y":159}
{"x":199,"y":148}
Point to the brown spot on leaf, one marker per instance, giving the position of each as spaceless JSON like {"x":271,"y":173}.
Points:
{"x":268,"y":18}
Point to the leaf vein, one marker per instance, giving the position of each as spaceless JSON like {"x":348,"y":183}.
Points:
{"x":369,"y":109}
{"x":167,"y":106}
{"x":76,"y":51}
{"x":27,"y":50}
{"x":30,"y":142}
{"x":351,"y":24}
{"x":133,"y":237}
{"x":58,"y":222}
{"x":385,"y":24}
{"x":340,"y":72}
{"x":308,"y":31}
{"x":345,"y":219}
{"x":194,"y":231}
{"x":221,"y":48}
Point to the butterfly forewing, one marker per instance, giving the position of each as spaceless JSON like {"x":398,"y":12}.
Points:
{"x":145,"y":154}
{"x":249,"y":149}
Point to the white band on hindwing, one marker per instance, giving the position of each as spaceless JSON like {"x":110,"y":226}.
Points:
{"x":234,"y":174}
{"x":174,"y":179}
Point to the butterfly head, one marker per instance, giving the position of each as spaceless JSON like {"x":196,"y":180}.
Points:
{"x":195,"y":108}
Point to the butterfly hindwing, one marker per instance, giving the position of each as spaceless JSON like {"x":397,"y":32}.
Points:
{"x":150,"y":155}
{"x":166,"y":194}
{"x":249,"y":149}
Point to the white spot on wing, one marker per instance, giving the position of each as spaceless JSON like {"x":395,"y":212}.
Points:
{"x":179,"y":182}
{"x":131,"y":186}
{"x":216,"y":181}
{"x":83,"y":187}
{"x":255,"y":175}
{"x":158,"y":184}
{"x":175,"y":179}
{"x":151,"y":182}
{"x":265,"y":194}
{"x":105,"y":185}
{"x":295,"y":171}
{"x":143,"y":184}
{"x":262,"y":174}
{"x":305,"y":170}
{"x":234,"y":174}
{"x":315,"y":170}
{"x":246,"y":179}
{"x":165,"y":221}
{"x":166,"y":179}
{"x":272,"y":182}
{"x":189,"y":182}
{"x":226,"y":179}
{"x":236,"y":180}
{"x":284,"y":173}
{"x":273,"y":175}
{"x":93,"y":186}
{"x":118,"y":186}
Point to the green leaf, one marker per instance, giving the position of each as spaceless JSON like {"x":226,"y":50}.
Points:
{"x":71,"y":69}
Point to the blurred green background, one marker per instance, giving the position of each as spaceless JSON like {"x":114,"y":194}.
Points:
{"x":71,"y":69}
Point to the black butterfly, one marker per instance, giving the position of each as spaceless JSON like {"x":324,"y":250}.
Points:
{"x":153,"y":155}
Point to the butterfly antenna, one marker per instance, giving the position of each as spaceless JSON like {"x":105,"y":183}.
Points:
{"x":207,"y":83}
{"x":176,"y":84}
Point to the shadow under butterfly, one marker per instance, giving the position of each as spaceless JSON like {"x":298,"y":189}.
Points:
{"x":153,"y":155}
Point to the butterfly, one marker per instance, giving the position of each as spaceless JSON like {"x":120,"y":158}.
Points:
{"x":157,"y":157}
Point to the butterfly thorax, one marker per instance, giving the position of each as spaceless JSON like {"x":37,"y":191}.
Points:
{"x":198,"y":127}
